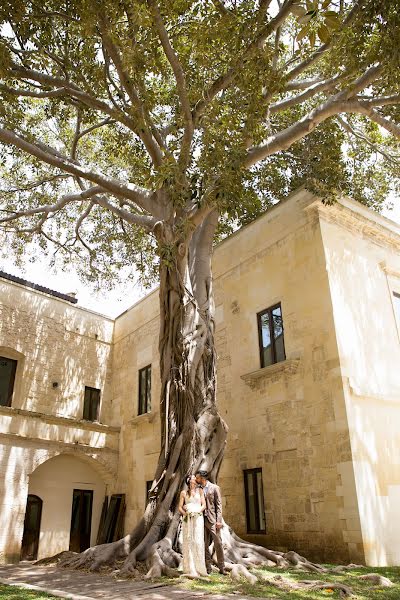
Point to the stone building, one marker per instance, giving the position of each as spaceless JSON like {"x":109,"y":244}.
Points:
{"x":308,"y":339}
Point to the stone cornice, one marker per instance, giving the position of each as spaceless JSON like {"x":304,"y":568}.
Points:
{"x":76,"y":446}
{"x":389,"y":270}
{"x":9,"y":411}
{"x":285,"y":367}
{"x":365,"y":225}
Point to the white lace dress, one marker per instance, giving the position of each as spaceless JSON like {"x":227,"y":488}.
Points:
{"x":193,"y":538}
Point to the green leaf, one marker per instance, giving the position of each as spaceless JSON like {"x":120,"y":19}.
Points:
{"x":323,"y":34}
{"x":332,"y":21}
{"x":302,"y":34}
{"x":298,"y":11}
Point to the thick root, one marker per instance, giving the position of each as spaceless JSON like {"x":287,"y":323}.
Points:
{"x":344,"y":590}
{"x":376,"y":579}
{"x":239,"y":571}
{"x":99,"y":556}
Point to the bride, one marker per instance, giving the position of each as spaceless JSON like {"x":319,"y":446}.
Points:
{"x":191,"y":507}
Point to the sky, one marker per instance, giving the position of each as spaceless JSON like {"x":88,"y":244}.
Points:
{"x":110,"y":303}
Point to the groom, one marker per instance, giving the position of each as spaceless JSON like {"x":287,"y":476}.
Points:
{"x":212,"y":520}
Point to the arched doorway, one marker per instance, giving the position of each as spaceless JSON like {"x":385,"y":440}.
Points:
{"x":72,"y":493}
{"x":33,"y":517}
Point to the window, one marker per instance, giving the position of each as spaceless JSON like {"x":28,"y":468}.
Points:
{"x":270,"y":331}
{"x":91,"y":404}
{"x":144,"y":390}
{"x":397,"y":305}
{"x":8,"y":366}
{"x":253,"y":489}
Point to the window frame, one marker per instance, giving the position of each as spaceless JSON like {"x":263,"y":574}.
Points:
{"x":11,"y":383}
{"x":397,"y":314}
{"x":260,"y":314}
{"x":97,"y":417}
{"x":144,"y":410}
{"x":253,"y":473}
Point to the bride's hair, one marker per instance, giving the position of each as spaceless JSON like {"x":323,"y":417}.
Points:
{"x":188,"y":478}
{"x":202,"y":474}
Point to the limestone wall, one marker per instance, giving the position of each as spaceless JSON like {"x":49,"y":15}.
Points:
{"x":363,"y":261}
{"x":52,"y":342}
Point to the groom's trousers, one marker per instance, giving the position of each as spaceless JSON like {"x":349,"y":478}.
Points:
{"x":211,"y":534}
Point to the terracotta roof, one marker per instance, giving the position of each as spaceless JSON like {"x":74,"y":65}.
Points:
{"x":37,"y":287}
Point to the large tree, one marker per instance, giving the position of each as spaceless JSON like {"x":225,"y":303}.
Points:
{"x":135,"y":132}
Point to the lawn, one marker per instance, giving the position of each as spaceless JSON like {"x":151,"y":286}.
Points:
{"x":10,"y":592}
{"x":362,"y":590}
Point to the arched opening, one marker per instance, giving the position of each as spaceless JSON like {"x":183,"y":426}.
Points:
{"x":72,"y":494}
{"x":30,"y":538}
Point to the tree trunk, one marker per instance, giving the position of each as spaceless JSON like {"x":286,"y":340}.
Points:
{"x":193,"y":433}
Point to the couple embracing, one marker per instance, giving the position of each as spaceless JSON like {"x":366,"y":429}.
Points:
{"x":201,"y":508}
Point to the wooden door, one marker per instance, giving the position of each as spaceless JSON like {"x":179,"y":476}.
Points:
{"x":30,"y":538}
{"x":81,"y":520}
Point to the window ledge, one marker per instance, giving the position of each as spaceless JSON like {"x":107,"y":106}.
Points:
{"x":289,"y":366}
{"x":144,"y":418}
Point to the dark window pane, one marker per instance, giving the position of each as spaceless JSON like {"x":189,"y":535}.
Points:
{"x":397,"y":305}
{"x":81,"y":520}
{"x":7,"y":377}
{"x":260,"y":501}
{"x":148,"y":390}
{"x":91,"y":405}
{"x":253,"y":487}
{"x":251,"y":503}
{"x":144,"y":390}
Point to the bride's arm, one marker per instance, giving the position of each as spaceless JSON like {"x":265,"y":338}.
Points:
{"x":181,"y":503}
{"x":203,"y":501}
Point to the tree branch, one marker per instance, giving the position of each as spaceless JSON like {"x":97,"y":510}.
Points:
{"x":360,"y":135}
{"x":364,"y":108}
{"x":30,"y":93}
{"x":180,"y":82}
{"x":341,"y":102}
{"x":224,"y":81}
{"x":73,"y":91}
{"x":315,"y":56}
{"x":47,"y":209}
{"x":143,"y":198}
{"x":144,"y":221}
{"x":311,"y":91}
{"x":142,"y":129}
{"x":80,"y":134}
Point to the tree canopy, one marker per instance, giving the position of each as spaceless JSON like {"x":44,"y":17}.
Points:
{"x":120,"y":115}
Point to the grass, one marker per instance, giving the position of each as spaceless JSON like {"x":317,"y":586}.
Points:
{"x":11,"y":592}
{"x":363,"y":590}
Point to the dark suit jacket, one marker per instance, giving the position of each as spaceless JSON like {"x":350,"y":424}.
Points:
{"x":213,"y":511}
